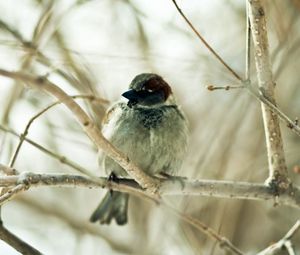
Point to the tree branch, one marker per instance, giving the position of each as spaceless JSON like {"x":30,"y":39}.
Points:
{"x":25,"y":181}
{"x":62,"y":159}
{"x":26,"y":130}
{"x":206,"y":43}
{"x":10,"y":193}
{"x":182,"y":186}
{"x":16,"y":242}
{"x":273,"y":108}
{"x":248,"y":46}
{"x":278,"y":176}
{"x":229,"y":189}
{"x":292,"y":124}
{"x":285,"y":242}
{"x":223,"y":242}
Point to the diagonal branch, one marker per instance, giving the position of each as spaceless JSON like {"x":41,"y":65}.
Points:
{"x":285,"y":242}
{"x":26,"y":130}
{"x":248,"y":46}
{"x":206,"y":43}
{"x":16,"y":242}
{"x":223,"y":242}
{"x":10,"y":193}
{"x":278,"y":176}
{"x":62,"y":159}
{"x":291,"y":124}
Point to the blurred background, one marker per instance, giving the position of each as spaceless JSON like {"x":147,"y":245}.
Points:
{"x":96,"y":47}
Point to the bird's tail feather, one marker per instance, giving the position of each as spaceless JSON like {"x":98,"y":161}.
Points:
{"x":114,"y":205}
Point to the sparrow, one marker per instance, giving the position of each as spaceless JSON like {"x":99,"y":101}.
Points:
{"x":151,"y":130}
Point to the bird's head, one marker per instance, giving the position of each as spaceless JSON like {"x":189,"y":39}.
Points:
{"x":147,"y":89}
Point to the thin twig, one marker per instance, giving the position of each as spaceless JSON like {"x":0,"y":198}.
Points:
{"x":6,"y":170}
{"x":60,"y":158}
{"x":26,"y":130}
{"x":206,"y":43}
{"x":80,"y":75}
{"x":15,"y":33}
{"x":77,"y":224}
{"x":292,"y":124}
{"x":15,"y":242}
{"x":228,"y":87}
{"x":10,"y":193}
{"x":285,"y":242}
{"x":248,"y":45}
{"x":43,"y":21}
{"x":292,"y":231}
{"x":223,"y":242}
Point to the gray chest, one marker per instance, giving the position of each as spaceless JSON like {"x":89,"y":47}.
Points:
{"x":153,"y":138}
{"x":150,"y":118}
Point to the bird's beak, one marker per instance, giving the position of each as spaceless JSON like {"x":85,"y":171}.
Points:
{"x":132,"y":96}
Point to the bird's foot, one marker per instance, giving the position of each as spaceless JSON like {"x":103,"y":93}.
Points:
{"x":112,"y":178}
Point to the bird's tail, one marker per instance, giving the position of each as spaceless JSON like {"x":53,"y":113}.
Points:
{"x":114,"y":205}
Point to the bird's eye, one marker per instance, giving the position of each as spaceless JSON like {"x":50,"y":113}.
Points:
{"x":150,"y":90}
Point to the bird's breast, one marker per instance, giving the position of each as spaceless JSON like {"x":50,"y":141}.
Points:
{"x":154,"y":138}
{"x":150,"y":118}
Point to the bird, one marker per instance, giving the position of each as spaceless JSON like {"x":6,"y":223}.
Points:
{"x":151,"y":130}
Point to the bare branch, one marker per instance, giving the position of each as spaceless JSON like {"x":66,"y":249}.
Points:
{"x":227,"y":87}
{"x":60,"y":158}
{"x":292,"y":124}
{"x":10,"y":193}
{"x":25,"y":133}
{"x":206,"y":43}
{"x":26,"y":130}
{"x":5,"y":170}
{"x":29,"y":180}
{"x":183,"y":187}
{"x":223,"y":242}
{"x":278,"y":176}
{"x":229,"y":189}
{"x":224,"y":189}
{"x":43,"y":21}
{"x":16,"y":242}
{"x":285,"y":242}
{"x":248,"y":45}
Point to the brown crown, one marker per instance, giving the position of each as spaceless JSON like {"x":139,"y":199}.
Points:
{"x":157,"y":83}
